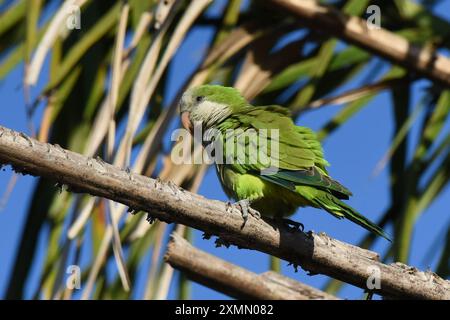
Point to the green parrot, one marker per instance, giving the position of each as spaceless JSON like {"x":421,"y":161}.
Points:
{"x":296,"y":176}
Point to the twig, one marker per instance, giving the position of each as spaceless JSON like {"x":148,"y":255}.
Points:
{"x":358,"y":93}
{"x":313,"y":252}
{"x":382,"y":42}
{"x":233,"y":280}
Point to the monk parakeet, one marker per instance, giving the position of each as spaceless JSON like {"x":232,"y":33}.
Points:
{"x":299,"y":177}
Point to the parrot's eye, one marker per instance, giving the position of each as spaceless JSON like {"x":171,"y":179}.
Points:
{"x":199,"y":99}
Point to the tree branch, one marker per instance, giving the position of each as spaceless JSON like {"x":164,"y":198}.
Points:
{"x":233,"y":280}
{"x":382,"y":42}
{"x":167,"y":202}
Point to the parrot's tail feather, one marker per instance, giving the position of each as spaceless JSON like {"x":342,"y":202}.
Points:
{"x":358,"y":218}
{"x":341,"y":210}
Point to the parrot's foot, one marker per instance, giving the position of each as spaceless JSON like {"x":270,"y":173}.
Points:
{"x":244,"y":208}
{"x":296,"y":226}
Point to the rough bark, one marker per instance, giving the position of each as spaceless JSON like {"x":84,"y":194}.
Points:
{"x":233,"y":280}
{"x":316,"y":253}
{"x":424,"y":61}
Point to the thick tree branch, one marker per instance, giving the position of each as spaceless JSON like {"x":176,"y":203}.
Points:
{"x":233,"y":280}
{"x":382,"y":42}
{"x":167,"y":202}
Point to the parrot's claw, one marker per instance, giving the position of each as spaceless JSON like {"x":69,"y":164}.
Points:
{"x":244,"y":208}
{"x":296,"y":226}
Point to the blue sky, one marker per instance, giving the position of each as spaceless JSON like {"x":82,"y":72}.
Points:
{"x":353,"y":151}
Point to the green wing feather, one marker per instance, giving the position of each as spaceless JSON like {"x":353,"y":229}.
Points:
{"x":310,"y":177}
{"x":300,"y":159}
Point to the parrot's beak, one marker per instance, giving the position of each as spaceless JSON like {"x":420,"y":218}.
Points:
{"x":186,"y":121}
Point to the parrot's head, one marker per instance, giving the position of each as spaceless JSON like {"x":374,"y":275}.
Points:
{"x":209,"y":105}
